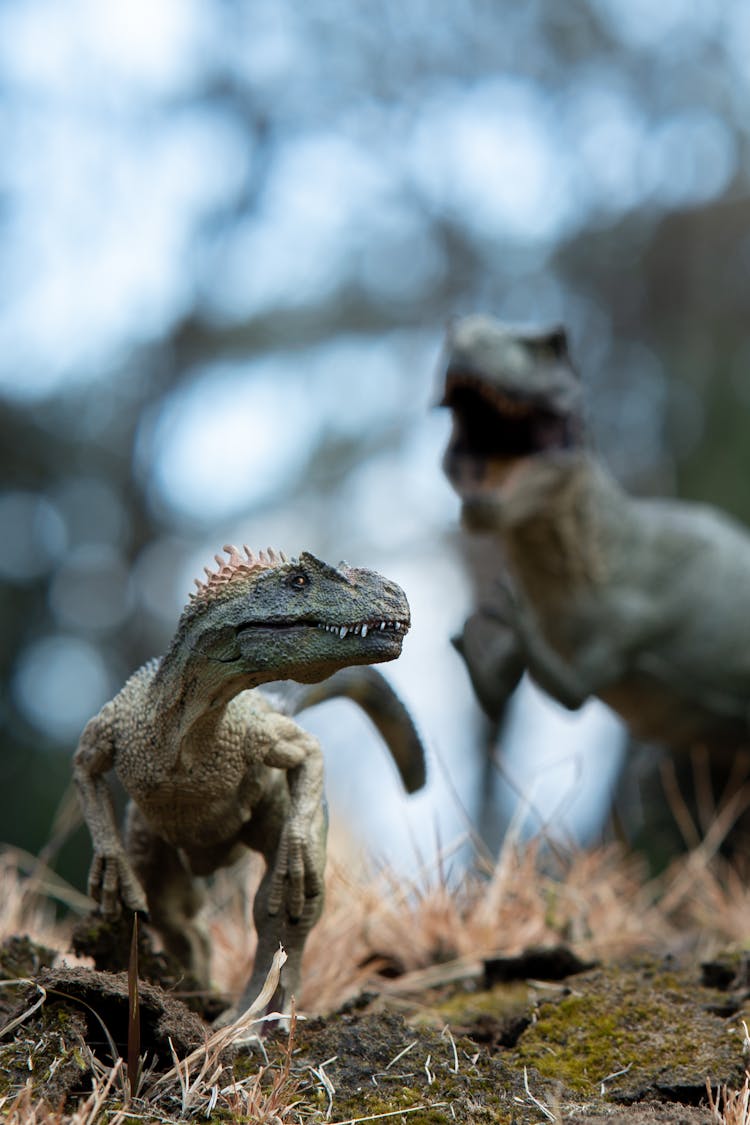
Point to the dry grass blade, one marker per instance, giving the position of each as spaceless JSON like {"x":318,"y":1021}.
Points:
{"x":401,"y":1054}
{"x":253,"y":1101}
{"x":65,"y":821}
{"x":391,"y":1113}
{"x":27,"y":907}
{"x":446,"y":1034}
{"x":545,"y":1110}
{"x":134,"y":1013}
{"x":89,"y":1113}
{"x":207,"y":1058}
{"x":27,"y":1108}
{"x":29,"y":1011}
{"x":729,"y":1107}
{"x":190,"y":1092}
{"x":43,"y":884}
{"x":319,"y":1072}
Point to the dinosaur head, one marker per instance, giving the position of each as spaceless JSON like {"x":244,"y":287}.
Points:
{"x":273,"y":618}
{"x":516,"y":403}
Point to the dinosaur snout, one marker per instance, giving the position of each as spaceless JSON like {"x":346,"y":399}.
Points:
{"x":379,"y":597}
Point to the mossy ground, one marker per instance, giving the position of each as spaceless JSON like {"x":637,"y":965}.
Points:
{"x":633,"y":1033}
{"x":634,"y":1042}
{"x":616,"y":1040}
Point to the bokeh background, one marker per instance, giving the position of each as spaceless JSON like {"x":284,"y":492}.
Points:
{"x":232,"y":234}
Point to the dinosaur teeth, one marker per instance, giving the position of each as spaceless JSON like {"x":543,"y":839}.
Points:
{"x":363,"y":629}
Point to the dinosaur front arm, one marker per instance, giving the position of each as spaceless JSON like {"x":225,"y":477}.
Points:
{"x":300,"y":857}
{"x":492,"y":653}
{"x":112,"y":881}
{"x":595,"y":663}
{"x":572,"y":683}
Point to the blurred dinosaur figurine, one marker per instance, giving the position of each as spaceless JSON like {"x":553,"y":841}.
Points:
{"x":212,"y":767}
{"x":641,"y":602}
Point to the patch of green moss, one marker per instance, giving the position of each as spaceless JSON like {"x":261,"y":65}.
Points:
{"x":503,"y":1000}
{"x":577,"y":1043}
{"x":480,"y":1105}
{"x":380,"y":1065}
{"x":373,"y":1103}
{"x":648,"y":1023}
{"x":47,"y":1051}
{"x":621,"y":1033}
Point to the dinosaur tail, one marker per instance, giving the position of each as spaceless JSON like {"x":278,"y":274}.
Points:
{"x":368,"y":688}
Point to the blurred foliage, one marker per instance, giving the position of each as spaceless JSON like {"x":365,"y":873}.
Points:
{"x":244,"y":184}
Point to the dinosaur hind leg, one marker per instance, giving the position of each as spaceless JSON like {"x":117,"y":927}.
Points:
{"x":263,"y":834}
{"x":173,"y":895}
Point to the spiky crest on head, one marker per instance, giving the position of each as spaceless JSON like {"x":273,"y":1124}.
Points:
{"x":232,"y":568}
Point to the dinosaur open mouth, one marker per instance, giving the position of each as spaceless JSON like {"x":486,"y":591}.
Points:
{"x":491,"y":423}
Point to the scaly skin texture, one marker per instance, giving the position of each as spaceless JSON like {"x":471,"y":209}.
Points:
{"x":212,"y":766}
{"x":642,"y":603}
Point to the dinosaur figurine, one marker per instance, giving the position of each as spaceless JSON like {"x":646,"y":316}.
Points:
{"x":643,"y":603}
{"x":212,"y":766}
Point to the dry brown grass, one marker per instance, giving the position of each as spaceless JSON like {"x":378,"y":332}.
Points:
{"x":193,"y":1087}
{"x":433,"y":926}
{"x":729,"y":1107}
{"x":29,"y":892}
{"x":27,"y":1108}
{"x":439,"y":925}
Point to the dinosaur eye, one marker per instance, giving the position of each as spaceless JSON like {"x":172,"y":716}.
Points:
{"x":298,"y":581}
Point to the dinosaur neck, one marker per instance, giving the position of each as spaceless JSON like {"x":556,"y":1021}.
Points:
{"x":553,"y":526}
{"x":190,"y":688}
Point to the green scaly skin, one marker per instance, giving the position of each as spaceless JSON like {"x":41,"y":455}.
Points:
{"x":643,"y":603}
{"x":212,"y":766}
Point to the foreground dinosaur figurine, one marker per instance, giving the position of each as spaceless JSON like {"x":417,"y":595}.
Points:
{"x":643,"y":603}
{"x":212,"y":767}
